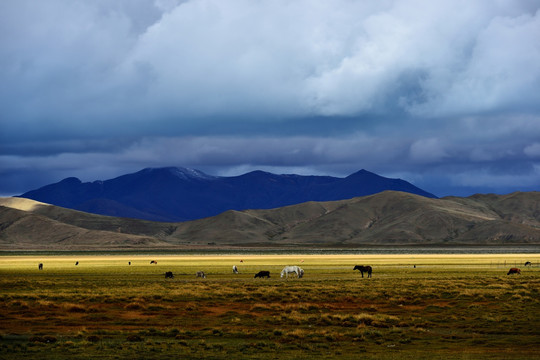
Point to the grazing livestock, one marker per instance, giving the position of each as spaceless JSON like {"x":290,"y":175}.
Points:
{"x":200,"y":274}
{"x":262,"y":274}
{"x":40,"y":266}
{"x":129,"y":262}
{"x":234,"y":269}
{"x":77,"y":263}
{"x":514,"y":271}
{"x":169,"y":275}
{"x":528,"y":263}
{"x":292,"y":269}
{"x":153,"y":262}
{"x":363,"y":269}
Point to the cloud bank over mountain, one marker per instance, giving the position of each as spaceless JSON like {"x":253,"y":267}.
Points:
{"x":444,"y":94}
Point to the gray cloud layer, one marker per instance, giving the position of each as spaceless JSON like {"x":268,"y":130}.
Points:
{"x":445,"y":94}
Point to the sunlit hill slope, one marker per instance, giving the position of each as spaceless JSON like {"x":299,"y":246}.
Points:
{"x":387,"y":218}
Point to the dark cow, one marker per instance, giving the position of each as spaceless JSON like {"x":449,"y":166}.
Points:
{"x":262,"y":274}
{"x":129,"y":262}
{"x":153,"y":262}
{"x":528,"y":263}
{"x":514,"y":271}
{"x":40,"y":266}
{"x":363,"y":269}
{"x":77,"y":263}
{"x":169,"y":275}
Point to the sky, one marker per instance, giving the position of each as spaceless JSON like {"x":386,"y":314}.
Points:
{"x":443,"y":94}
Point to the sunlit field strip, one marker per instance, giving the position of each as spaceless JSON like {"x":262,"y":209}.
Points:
{"x":222,"y":264}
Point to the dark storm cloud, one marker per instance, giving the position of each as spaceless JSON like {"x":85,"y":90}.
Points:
{"x":445,"y":94}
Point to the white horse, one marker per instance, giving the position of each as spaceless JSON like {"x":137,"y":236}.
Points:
{"x":234,"y":269}
{"x":292,"y":269}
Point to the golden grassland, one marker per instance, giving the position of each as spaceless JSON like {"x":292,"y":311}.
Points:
{"x":416,"y":306}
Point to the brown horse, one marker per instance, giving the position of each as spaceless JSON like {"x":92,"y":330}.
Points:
{"x":363,"y":269}
{"x":514,"y":271}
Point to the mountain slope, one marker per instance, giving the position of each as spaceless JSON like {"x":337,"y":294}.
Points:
{"x":387,"y":218}
{"x":25,"y":230}
{"x":179,"y":194}
{"x":382,"y":219}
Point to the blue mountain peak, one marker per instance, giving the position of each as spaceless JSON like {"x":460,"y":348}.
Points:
{"x":180,"y":172}
{"x":179,"y":194}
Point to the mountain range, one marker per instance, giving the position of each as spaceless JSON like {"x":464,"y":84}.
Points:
{"x":179,"y":194}
{"x":389,"y":218}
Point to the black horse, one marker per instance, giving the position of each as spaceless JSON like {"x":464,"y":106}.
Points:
{"x":40,"y":266}
{"x":262,"y":274}
{"x":169,"y":275}
{"x":363,"y":269}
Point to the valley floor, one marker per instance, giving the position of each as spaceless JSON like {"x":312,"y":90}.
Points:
{"x":416,"y":306}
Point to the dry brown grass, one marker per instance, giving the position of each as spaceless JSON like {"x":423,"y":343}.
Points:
{"x":434,"y":311}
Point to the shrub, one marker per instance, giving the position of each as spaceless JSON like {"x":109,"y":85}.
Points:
{"x":134,"y":338}
{"x":134,"y":306}
{"x":50,"y":339}
{"x":93,"y":338}
{"x":76,"y":309}
{"x":47,"y":339}
{"x":35,"y":339}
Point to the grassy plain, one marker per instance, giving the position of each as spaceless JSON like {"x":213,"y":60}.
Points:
{"x":447,"y":307}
